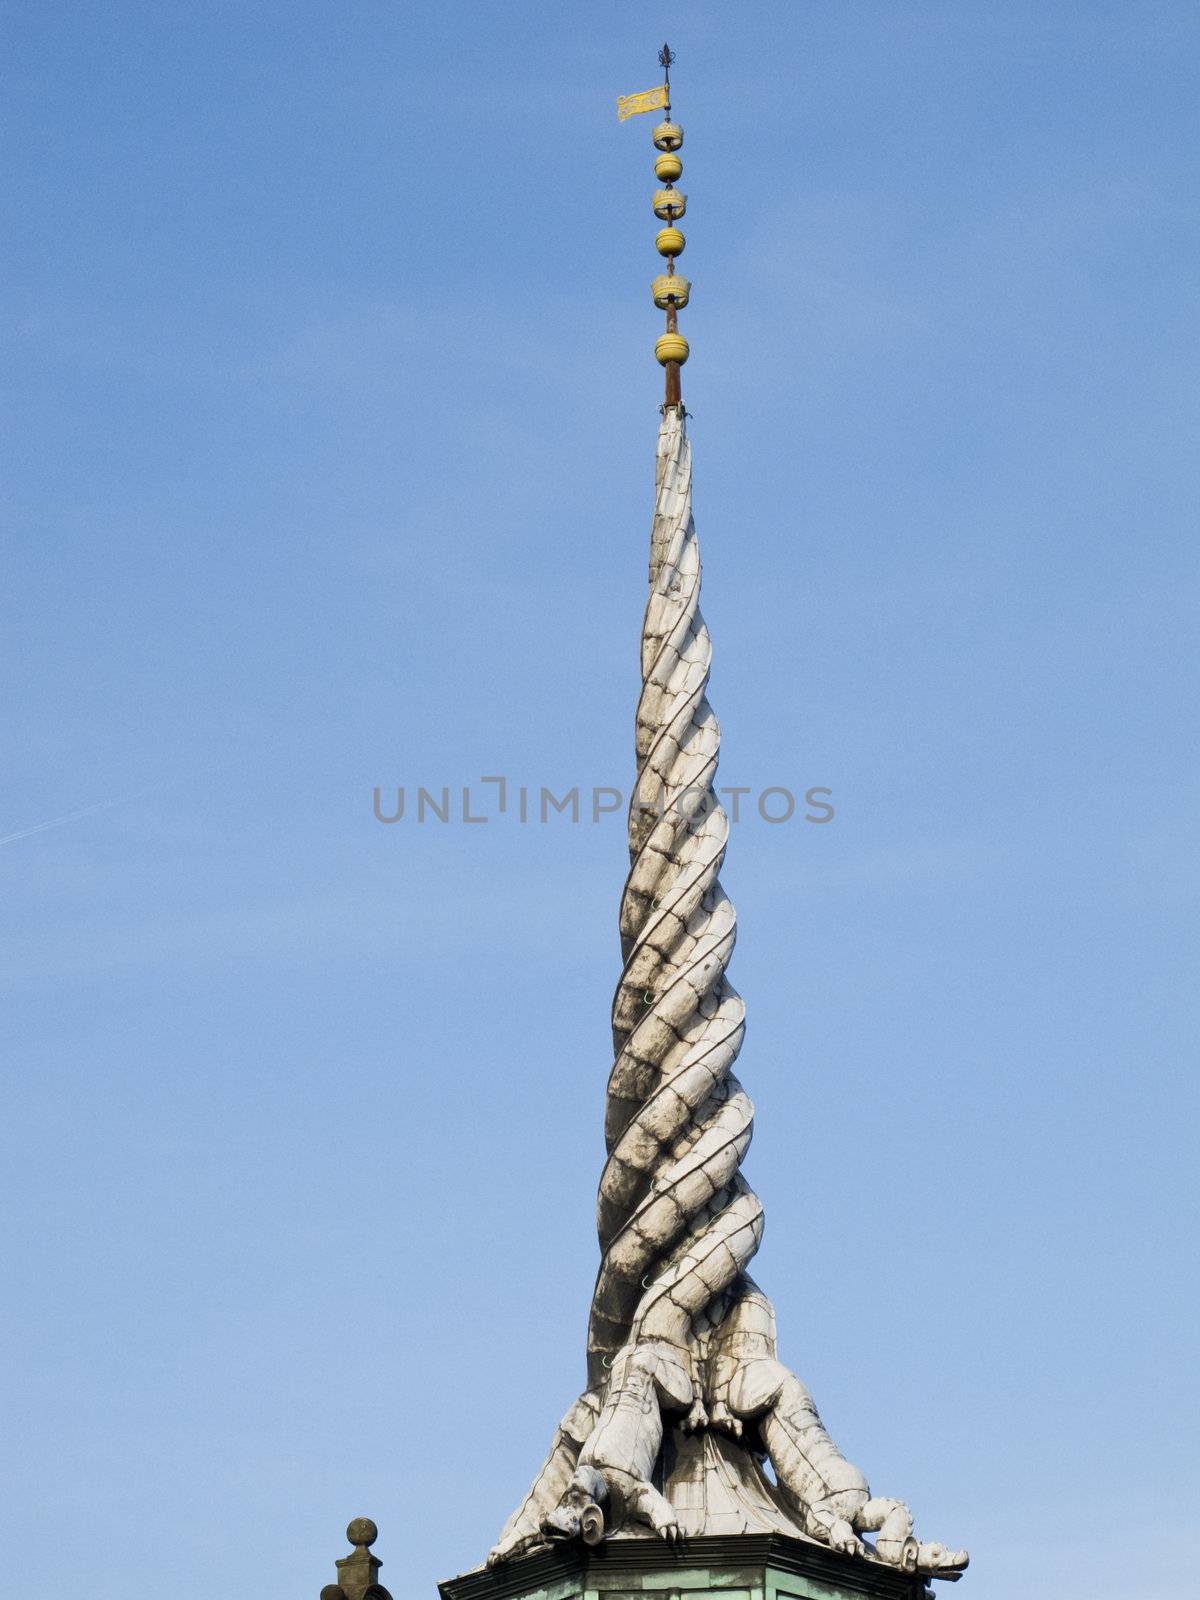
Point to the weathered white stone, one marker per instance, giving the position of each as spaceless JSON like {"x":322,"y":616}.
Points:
{"x":680,"y":1336}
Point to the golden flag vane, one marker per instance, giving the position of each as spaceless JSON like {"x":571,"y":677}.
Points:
{"x":632,"y":105}
{"x":670,"y":290}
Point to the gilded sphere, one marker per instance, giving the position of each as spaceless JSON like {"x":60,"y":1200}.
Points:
{"x":668,"y":168}
{"x":669,"y":204}
{"x":670,"y":290}
{"x":669,"y":242}
{"x":671,"y":347}
{"x":668,"y":136}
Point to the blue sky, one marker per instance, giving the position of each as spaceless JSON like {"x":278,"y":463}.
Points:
{"x":331,"y":412}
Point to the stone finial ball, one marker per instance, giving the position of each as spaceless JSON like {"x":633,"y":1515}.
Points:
{"x":333,"y":1591}
{"x":362,"y":1531}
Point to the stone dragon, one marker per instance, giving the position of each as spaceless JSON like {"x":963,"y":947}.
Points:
{"x":686,"y":1395}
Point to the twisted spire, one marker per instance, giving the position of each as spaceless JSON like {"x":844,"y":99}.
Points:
{"x":680,"y":1340}
{"x":676,"y":1221}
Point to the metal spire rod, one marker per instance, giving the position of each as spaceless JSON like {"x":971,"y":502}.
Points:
{"x":670,"y":210}
{"x":670,"y":289}
{"x":673,"y":392}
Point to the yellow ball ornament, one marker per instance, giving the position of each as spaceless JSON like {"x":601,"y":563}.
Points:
{"x":669,"y":242}
{"x":668,"y":168}
{"x":671,"y":347}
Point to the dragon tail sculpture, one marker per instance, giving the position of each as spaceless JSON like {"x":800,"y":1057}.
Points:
{"x":685,"y":1393}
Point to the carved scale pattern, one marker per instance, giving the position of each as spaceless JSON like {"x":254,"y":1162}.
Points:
{"x":677,"y":1222}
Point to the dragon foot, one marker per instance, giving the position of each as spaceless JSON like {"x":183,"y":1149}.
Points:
{"x":668,"y":1527}
{"x":723,"y":1419}
{"x":512,"y":1547}
{"x":697,"y":1418}
{"x":843,"y":1538}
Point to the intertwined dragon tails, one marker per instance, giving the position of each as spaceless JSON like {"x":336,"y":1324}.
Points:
{"x":686,"y":1397}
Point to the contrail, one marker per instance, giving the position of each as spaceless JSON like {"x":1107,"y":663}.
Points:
{"x":230,"y":765}
{"x":85,"y":811}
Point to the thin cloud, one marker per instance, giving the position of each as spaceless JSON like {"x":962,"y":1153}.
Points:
{"x":87,"y":811}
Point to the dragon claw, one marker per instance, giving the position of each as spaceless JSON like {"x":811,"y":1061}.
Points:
{"x":668,"y":1529}
{"x":723,"y":1418}
{"x":696,"y":1419}
{"x":844,"y":1540}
